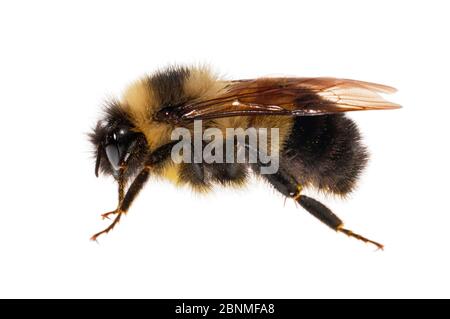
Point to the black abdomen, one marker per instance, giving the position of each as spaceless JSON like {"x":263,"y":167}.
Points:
{"x":325,"y":152}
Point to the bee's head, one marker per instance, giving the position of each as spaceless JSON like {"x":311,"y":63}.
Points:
{"x":117,"y":143}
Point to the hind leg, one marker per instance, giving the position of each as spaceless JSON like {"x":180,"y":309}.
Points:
{"x":288,"y":186}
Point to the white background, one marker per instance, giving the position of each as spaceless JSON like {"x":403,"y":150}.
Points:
{"x":60,"y":61}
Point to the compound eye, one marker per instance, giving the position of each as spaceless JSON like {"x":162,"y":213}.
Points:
{"x":113,"y":154}
{"x":117,"y":146}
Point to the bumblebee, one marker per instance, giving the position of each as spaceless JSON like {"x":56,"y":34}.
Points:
{"x":318,"y":145}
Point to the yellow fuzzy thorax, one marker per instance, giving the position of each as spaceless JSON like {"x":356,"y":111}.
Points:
{"x":140,"y":102}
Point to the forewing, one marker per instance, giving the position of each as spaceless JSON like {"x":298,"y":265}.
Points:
{"x":285,"y":96}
